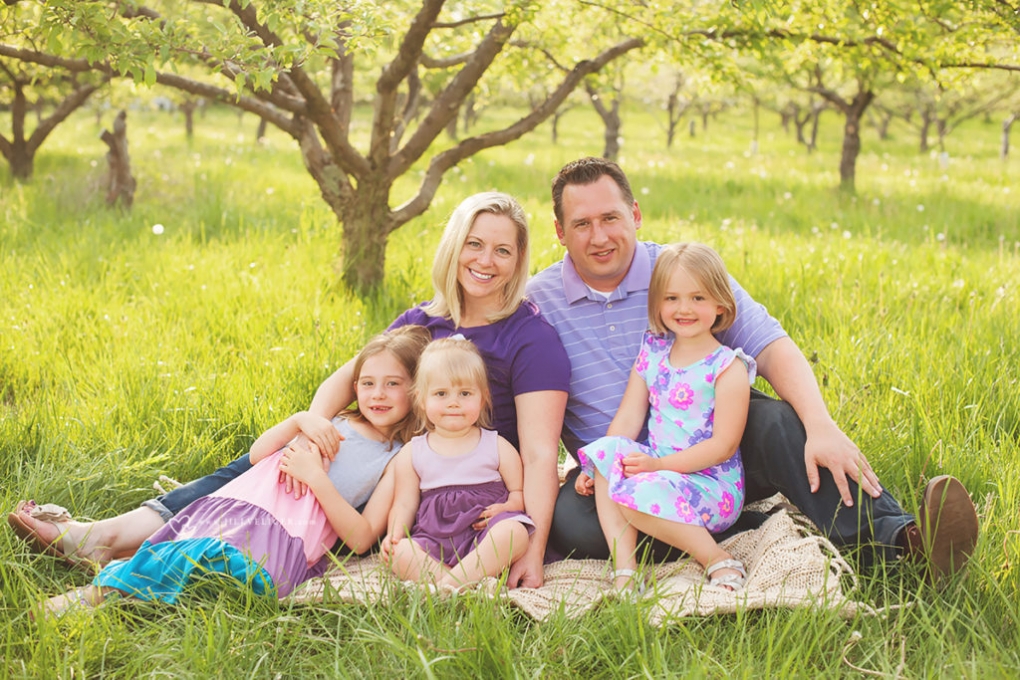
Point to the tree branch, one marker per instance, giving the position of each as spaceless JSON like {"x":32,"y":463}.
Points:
{"x":448,"y":103}
{"x":468,"y":147}
{"x":66,"y":107}
{"x":469,"y":20}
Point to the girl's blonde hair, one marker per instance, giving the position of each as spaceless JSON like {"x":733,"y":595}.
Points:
{"x":406,"y":344}
{"x":705,"y":265}
{"x":458,"y":362}
{"x":448,"y":301}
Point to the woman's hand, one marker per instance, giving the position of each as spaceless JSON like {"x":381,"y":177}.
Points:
{"x":318,"y":431}
{"x":636,"y":463}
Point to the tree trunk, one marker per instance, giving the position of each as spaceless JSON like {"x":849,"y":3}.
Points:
{"x":816,"y":114}
{"x":852,"y":140}
{"x":611,"y":122}
{"x":17,"y":152}
{"x":188,"y":108}
{"x":1006,"y":125}
{"x":121,"y":184}
{"x":366,"y":223}
{"x":926,"y":121}
{"x":260,"y":133}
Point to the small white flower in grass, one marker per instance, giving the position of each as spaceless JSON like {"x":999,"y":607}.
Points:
{"x":157,"y":229}
{"x":730,"y":165}
{"x":885,"y":167}
{"x":876,"y":202}
{"x":787,"y":195}
{"x":847,"y":235}
{"x":815,"y":230}
{"x":252,"y":265}
{"x":270,"y":191}
{"x":920,"y":207}
{"x":940,"y":236}
{"x":959,"y":283}
{"x":834,"y":225}
{"x":644,"y":191}
{"x":1005,"y":190}
{"x":529,"y":159}
{"x":94,"y":163}
{"x":945,"y":178}
{"x":913,"y":182}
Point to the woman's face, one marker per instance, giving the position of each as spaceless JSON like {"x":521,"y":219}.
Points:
{"x":488,"y":259}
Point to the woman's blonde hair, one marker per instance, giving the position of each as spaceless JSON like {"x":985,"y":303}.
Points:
{"x":705,"y":265}
{"x":458,"y":362}
{"x":406,"y":344}
{"x":448,"y":301}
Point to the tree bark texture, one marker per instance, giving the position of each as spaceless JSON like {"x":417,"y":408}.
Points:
{"x":120,"y":182}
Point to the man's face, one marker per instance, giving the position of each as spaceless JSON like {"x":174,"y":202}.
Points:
{"x":599,"y":230}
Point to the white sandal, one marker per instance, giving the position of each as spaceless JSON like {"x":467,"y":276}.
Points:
{"x":732,"y":582}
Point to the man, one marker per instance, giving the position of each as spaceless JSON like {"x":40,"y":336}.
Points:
{"x":597,"y":298}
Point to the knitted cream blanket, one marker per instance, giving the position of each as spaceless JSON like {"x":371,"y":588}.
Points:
{"x":788,"y":565}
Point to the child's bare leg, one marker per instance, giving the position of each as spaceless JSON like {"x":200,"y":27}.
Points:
{"x":505,"y":543}
{"x":88,"y":596}
{"x":411,"y":562}
{"x":620,"y":534}
{"x":99,"y":541}
{"x":694,"y":540}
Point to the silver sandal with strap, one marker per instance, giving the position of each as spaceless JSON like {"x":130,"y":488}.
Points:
{"x":635,"y":584}
{"x":732,"y":582}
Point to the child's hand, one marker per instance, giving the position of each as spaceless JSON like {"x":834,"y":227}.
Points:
{"x":487,"y":514}
{"x":636,"y":463}
{"x":292,"y":483}
{"x":584,"y":485}
{"x":302,"y":464}
{"x":386,"y":547}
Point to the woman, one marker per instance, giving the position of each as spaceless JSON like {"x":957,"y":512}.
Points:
{"x":479,"y":274}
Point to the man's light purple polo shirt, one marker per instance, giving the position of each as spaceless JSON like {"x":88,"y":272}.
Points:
{"x":602,"y":336}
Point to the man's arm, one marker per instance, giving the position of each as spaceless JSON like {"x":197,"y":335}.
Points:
{"x":783,"y":365}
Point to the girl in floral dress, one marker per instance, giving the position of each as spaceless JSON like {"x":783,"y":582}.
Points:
{"x":687,"y":482}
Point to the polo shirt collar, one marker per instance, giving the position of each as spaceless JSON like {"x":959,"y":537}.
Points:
{"x":638,"y":277}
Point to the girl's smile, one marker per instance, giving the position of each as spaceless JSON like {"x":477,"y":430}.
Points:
{"x":382,"y":391}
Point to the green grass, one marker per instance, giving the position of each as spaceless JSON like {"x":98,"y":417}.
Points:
{"x":127,"y":354}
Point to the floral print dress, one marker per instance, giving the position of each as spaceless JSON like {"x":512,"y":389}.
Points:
{"x":681,"y":414}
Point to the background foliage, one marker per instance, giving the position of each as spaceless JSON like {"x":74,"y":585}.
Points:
{"x":129,"y":353}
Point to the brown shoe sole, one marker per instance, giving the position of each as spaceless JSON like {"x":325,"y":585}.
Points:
{"x":948,"y":524}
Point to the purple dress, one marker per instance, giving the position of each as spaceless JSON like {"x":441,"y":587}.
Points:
{"x":681,"y":413}
{"x":454,"y":492}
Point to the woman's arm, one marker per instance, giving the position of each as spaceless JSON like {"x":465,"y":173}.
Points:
{"x":278,"y":436}
{"x":633,"y":412}
{"x":539,"y":423}
{"x":335,"y":393}
{"x":732,"y":396}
